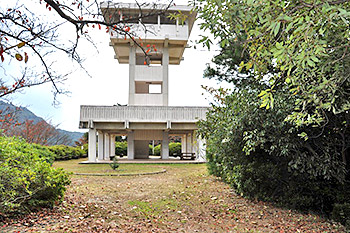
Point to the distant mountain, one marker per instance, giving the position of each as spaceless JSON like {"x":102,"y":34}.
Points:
{"x":23,"y":114}
{"x":75,"y":136}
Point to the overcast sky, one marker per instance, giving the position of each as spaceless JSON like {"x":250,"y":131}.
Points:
{"x":108,"y":84}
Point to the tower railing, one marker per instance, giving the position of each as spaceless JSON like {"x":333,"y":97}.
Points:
{"x":172,"y":32}
{"x":141,"y":113}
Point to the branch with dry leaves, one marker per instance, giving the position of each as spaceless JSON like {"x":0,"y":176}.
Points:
{"x":36,"y":36}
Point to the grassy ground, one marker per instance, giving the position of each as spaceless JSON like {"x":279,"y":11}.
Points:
{"x":184,"y":199}
{"x":75,"y":167}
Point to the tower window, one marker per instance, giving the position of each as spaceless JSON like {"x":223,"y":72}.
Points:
{"x":148,"y":87}
{"x":165,"y":19}
{"x":152,"y":19}
{"x":155,"y":88}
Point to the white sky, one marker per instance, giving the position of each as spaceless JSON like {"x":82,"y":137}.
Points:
{"x":109,"y":84}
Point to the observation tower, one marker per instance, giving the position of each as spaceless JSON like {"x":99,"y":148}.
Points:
{"x":160,"y":42}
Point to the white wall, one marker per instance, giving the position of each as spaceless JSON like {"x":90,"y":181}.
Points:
{"x":148,"y":73}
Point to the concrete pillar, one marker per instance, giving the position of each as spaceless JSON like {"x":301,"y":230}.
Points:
{"x":184,"y":143}
{"x":92,"y":145}
{"x":112,"y":142}
{"x":189,"y":143}
{"x":132,"y":63}
{"x":131,"y":154}
{"x":165,"y":145}
{"x":165,"y":65}
{"x":100,"y":145}
{"x":106,"y":147}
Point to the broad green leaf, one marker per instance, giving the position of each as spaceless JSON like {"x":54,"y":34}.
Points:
{"x":310,"y":62}
{"x":277,"y":28}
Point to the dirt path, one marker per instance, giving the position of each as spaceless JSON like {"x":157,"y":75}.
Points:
{"x":184,"y":199}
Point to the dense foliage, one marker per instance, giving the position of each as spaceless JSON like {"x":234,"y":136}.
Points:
{"x":291,"y":146}
{"x":305,"y":42}
{"x":27,"y":178}
{"x":262,"y":156}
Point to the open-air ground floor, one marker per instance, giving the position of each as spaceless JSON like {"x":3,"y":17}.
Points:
{"x":102,"y":144}
{"x":183,"y":199}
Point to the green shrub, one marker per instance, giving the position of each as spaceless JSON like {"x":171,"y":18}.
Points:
{"x":85,"y":150}
{"x":157,"y":150}
{"x":63,"y":152}
{"x":174,"y":149}
{"x":43,"y":152}
{"x":27,"y":178}
{"x":121,"y":148}
{"x":60,"y":154}
{"x":114,"y":165}
{"x":77,"y":152}
{"x":262,"y":156}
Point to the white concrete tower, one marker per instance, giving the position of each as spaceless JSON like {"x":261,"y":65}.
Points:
{"x":158,"y":42}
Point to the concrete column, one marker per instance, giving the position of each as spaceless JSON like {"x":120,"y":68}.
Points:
{"x":132,"y":63}
{"x":92,"y":145}
{"x":165,"y":145}
{"x":100,"y":145}
{"x":112,"y":142}
{"x":131,"y":154}
{"x":192,"y":142}
{"x":165,"y":65}
{"x":184,"y":143}
{"x":106,"y":147}
{"x":189,"y":143}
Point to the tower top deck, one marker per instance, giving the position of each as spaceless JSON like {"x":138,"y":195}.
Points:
{"x":150,"y":24}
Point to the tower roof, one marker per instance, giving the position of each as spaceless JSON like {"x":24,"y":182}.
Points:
{"x":151,"y":24}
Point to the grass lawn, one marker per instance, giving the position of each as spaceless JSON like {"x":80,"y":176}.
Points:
{"x":184,"y":199}
{"x":74,"y":166}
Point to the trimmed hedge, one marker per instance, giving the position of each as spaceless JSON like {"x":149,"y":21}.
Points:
{"x":63,"y":152}
{"x":27,"y":178}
